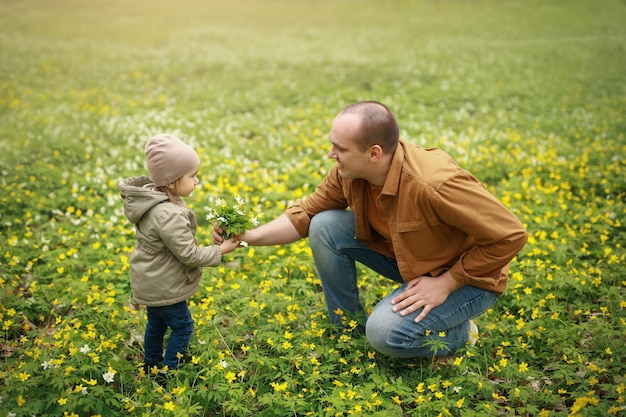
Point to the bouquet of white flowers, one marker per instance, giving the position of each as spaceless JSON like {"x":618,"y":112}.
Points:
{"x":234,"y":218}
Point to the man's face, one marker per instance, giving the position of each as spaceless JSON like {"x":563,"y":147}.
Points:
{"x":353,"y":163}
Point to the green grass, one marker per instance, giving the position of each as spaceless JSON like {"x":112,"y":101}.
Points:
{"x":530,"y":96}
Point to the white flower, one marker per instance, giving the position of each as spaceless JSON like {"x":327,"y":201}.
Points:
{"x":240,"y":200}
{"x":243,"y":243}
{"x":222,"y":219}
{"x":85,"y":349}
{"x":45,"y":365}
{"x":220,"y":202}
{"x":223,"y":363}
{"x":254,"y":221}
{"x":108,"y":376}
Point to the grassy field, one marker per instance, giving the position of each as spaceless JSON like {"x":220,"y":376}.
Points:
{"x":530,"y":96}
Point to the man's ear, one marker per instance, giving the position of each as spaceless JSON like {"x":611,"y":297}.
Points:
{"x":376,"y":152}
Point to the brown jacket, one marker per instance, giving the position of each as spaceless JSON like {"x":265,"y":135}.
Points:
{"x":440,"y":218}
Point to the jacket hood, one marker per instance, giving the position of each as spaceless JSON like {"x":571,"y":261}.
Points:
{"x":139,"y":197}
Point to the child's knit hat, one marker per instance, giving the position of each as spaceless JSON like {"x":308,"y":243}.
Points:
{"x":169,"y":158}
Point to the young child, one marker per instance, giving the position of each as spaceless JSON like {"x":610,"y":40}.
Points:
{"x":165,"y":266}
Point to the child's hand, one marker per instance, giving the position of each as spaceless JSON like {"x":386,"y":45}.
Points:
{"x":230,"y":245}
{"x":217,"y":234}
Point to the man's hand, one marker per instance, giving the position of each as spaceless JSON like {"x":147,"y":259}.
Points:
{"x":427,"y":292}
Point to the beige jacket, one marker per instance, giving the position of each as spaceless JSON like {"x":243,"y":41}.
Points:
{"x":165,"y":266}
{"x":440,"y":218}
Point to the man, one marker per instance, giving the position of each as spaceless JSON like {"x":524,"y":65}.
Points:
{"x":415,"y":217}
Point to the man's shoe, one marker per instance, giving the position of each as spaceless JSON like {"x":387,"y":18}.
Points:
{"x":473,"y":333}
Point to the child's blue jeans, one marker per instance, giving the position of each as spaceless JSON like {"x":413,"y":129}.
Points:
{"x":335,"y":250}
{"x":178,"y":318}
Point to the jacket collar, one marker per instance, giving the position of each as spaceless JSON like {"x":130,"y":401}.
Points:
{"x":392,"y":182}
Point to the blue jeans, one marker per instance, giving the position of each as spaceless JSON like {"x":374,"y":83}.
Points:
{"x":446,"y":327}
{"x":178,"y":318}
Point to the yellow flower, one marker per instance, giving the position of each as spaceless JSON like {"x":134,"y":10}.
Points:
{"x":279,"y":387}
{"x":523,"y":367}
{"x":20,"y":401}
{"x":230,"y":377}
{"x":62,"y":401}
{"x":169,"y":406}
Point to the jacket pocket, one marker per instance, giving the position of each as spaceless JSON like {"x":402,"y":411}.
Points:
{"x":420,"y":241}
{"x":193,"y":274}
{"x":411,"y":226}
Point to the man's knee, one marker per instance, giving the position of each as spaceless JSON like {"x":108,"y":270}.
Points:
{"x":382,"y":333}
{"x":389,"y":336}
{"x":329,"y":223}
{"x":323,"y":221}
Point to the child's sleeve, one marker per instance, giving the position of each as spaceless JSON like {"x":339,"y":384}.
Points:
{"x":175,"y":231}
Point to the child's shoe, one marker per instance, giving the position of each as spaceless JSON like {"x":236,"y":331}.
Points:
{"x":151,"y":369}
{"x":162,"y":378}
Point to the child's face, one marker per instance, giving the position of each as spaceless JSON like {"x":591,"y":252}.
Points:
{"x":186,"y":184}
